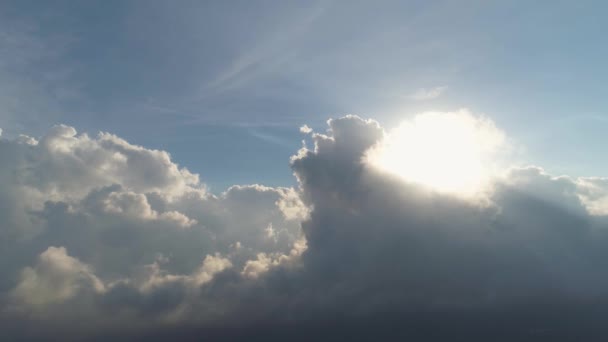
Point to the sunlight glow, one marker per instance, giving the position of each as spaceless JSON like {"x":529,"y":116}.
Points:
{"x":448,"y":152}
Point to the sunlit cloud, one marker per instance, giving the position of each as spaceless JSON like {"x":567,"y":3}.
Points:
{"x":450,"y":152}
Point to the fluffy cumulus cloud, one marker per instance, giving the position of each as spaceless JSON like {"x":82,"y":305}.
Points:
{"x":57,"y":277}
{"x":124,"y":242}
{"x":95,"y":226}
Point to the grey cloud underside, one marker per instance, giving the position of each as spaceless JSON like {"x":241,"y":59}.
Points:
{"x":120,"y":239}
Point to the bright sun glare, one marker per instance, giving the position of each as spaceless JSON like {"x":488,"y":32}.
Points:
{"x":449,"y":152}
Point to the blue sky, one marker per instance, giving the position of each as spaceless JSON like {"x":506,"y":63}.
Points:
{"x":224,"y":88}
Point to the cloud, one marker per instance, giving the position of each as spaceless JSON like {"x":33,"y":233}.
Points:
{"x":593,"y":192}
{"x":452,"y":152}
{"x":447,"y":252}
{"x":424,"y":94}
{"x":135,"y":206}
{"x":57,"y":277}
{"x":305,"y":129}
{"x":142,"y":249}
{"x":86,"y":219}
{"x":156,"y":277}
{"x":37,"y":75}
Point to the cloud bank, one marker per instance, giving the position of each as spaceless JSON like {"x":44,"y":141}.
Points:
{"x":127,"y":244}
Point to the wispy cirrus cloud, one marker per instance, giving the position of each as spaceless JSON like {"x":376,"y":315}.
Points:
{"x":36,"y":75}
{"x":424,"y":94}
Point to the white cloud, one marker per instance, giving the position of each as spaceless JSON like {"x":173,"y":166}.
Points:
{"x":424,"y":94}
{"x":135,"y":206}
{"x":305,"y":129}
{"x":451,"y":152}
{"x":156,"y":277}
{"x":115,"y":207}
{"x":351,"y":238}
{"x":593,"y":192}
{"x":57,"y":277}
{"x":265,"y":261}
{"x":254,"y":268}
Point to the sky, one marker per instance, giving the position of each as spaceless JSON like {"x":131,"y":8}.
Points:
{"x":303,"y":170}
{"x":236,"y":78}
